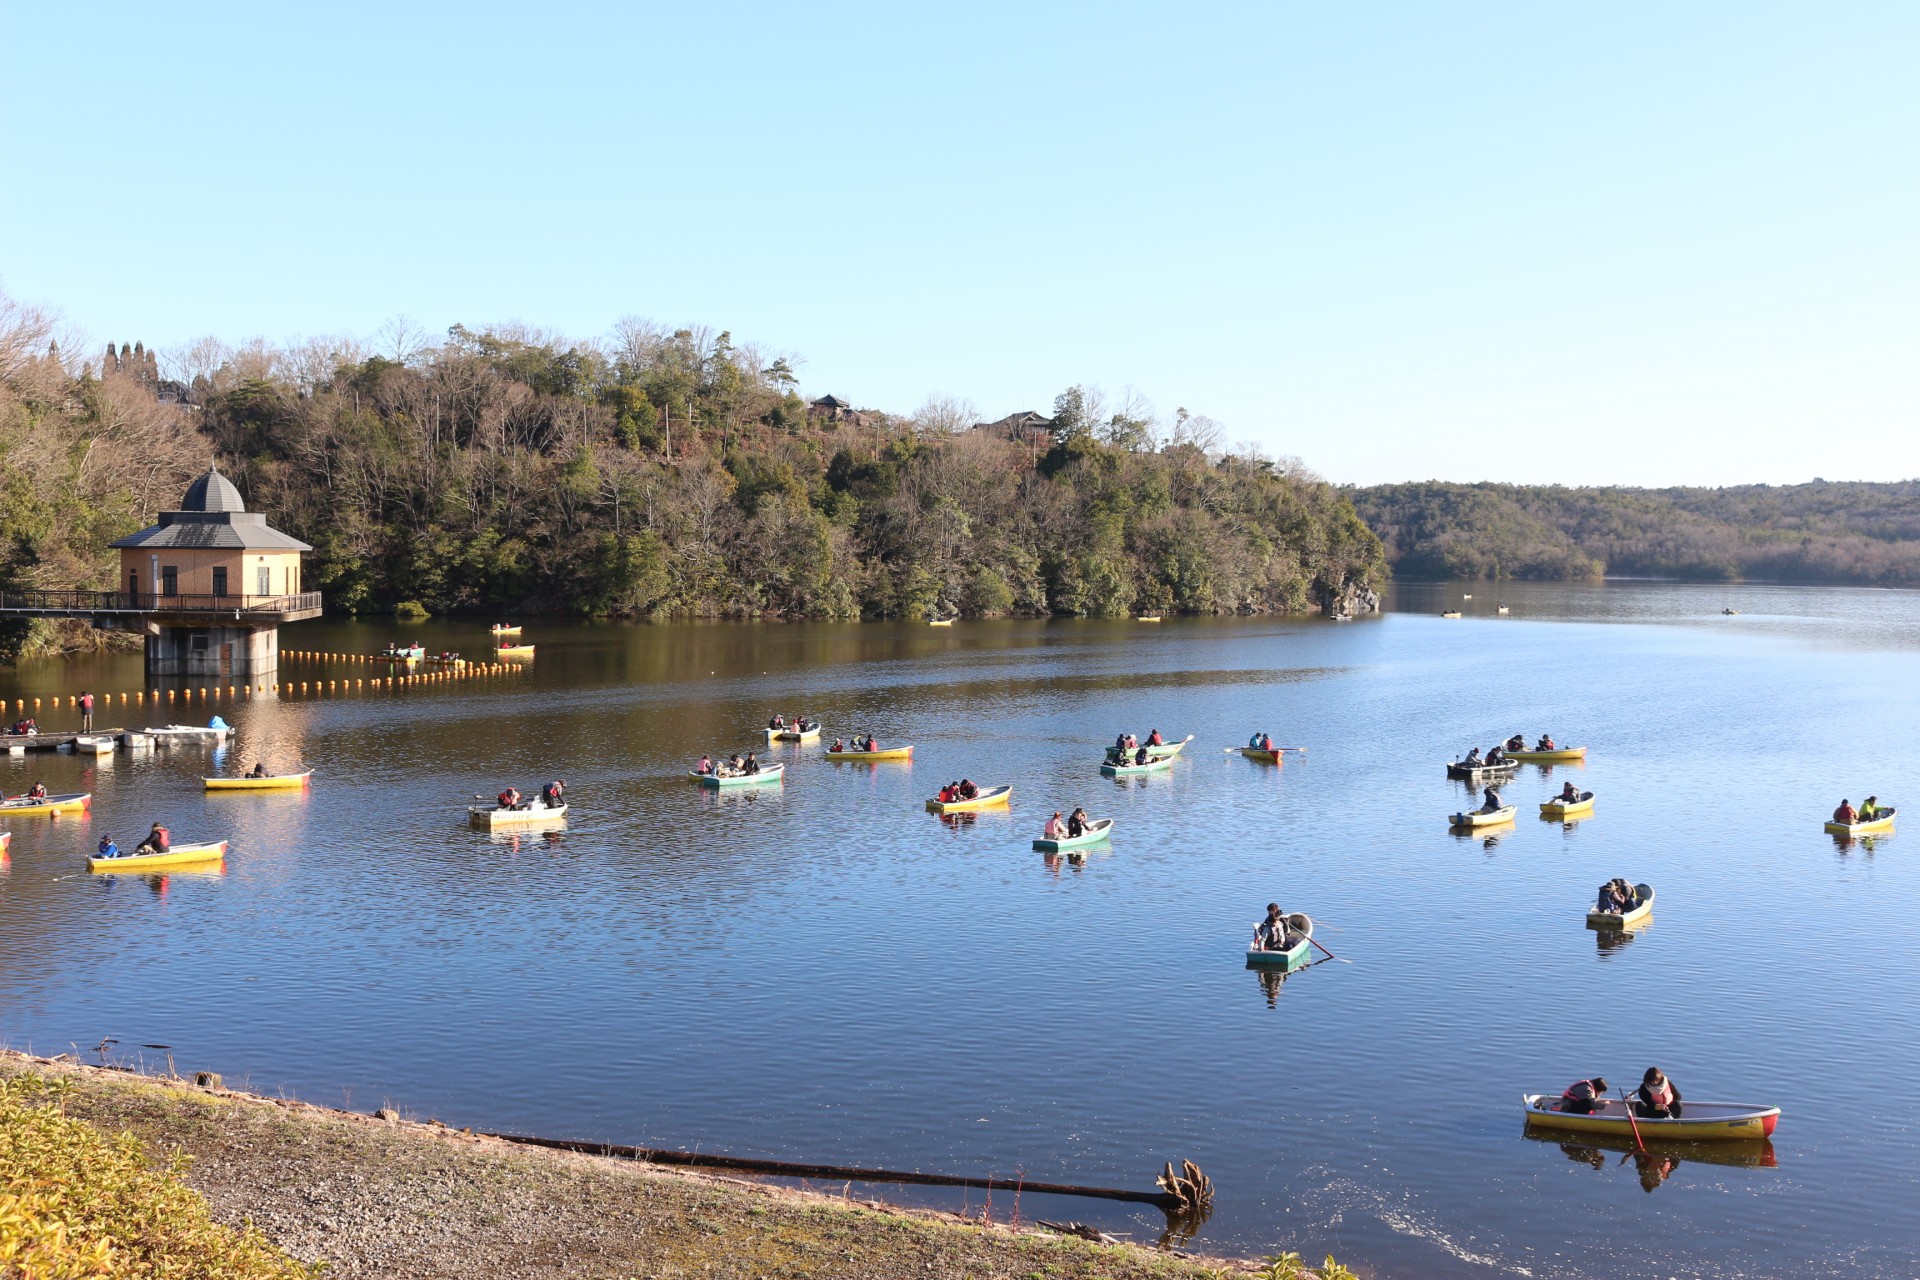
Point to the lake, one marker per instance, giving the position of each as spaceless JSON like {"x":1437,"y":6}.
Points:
{"x":825,"y":972}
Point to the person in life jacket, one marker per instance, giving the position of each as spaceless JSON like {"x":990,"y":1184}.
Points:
{"x":38,"y":791}
{"x":951,"y":792}
{"x":1568,"y":795}
{"x":1155,"y":740}
{"x":1266,"y":743}
{"x":554,"y":792}
{"x":510,"y":798}
{"x":158,"y":840}
{"x":1584,"y":1097}
{"x":1271,"y":934}
{"x":1845,"y":814}
{"x":705,"y":765}
{"x":837,"y":747}
{"x":108,"y":849}
{"x":1657,"y":1098}
{"x":1518,"y":742}
{"x":1546,"y":743}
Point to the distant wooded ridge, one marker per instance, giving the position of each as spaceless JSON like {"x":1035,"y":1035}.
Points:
{"x":1851,"y":532}
{"x":654,"y":472}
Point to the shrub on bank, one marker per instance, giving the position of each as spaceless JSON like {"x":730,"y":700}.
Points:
{"x":75,"y":1204}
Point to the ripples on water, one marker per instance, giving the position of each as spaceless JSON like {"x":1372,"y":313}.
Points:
{"x":823,"y":971}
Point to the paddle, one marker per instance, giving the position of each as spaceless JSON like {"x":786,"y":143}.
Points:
{"x":1316,"y":942}
{"x":1631,"y":1120}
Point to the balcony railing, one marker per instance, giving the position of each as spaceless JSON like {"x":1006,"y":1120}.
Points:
{"x":149,"y":602}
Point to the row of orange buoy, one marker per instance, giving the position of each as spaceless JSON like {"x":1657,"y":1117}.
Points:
{"x":217,"y":692}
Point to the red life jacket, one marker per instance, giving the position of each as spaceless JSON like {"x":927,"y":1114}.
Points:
{"x":162,"y":839}
{"x":1661,"y":1097}
{"x":1581,"y":1091}
{"x":509,"y":798}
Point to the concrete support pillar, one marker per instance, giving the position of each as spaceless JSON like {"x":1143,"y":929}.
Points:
{"x":246,"y":654}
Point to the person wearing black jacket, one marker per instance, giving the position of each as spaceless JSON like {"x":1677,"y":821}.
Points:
{"x":1657,"y":1098}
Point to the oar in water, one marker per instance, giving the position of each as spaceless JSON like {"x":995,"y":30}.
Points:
{"x":1316,"y":942}
{"x":1631,"y":1120}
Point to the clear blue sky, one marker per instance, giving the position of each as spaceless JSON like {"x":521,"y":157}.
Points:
{"x":1624,"y":242}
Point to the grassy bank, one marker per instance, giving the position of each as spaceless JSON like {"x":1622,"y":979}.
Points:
{"x":396,"y":1199}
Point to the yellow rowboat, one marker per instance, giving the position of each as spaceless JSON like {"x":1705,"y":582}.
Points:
{"x":179,"y":855}
{"x":487,"y":817}
{"x":1882,"y":823}
{"x":1641,"y":909}
{"x":891,"y":753}
{"x":277,"y":782}
{"x":1479,"y":819}
{"x":1148,"y":617}
{"x":991,"y":798}
{"x":1255,"y":753}
{"x":504,"y":631}
{"x":1581,"y":808}
{"x":806,"y":733}
{"x":1697,"y":1122}
{"x":75,"y":803}
{"x":514,"y":651}
{"x":1557,"y":756}
{"x":939,"y":622}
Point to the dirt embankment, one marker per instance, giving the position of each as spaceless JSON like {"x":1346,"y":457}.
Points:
{"x":406,"y":1201}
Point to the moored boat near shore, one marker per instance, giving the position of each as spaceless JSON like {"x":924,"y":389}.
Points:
{"x":1698,"y":1121}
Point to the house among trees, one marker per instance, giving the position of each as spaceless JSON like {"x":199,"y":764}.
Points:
{"x":834,"y":409}
{"x":1025,"y":427}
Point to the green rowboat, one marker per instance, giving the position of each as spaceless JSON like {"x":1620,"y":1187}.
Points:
{"x":1097,"y":831}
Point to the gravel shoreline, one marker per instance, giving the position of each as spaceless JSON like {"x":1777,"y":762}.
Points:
{"x":391,"y":1198}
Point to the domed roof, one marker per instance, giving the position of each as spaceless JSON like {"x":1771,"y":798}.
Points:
{"x":212,"y":492}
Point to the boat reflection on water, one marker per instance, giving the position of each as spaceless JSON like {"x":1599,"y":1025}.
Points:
{"x":1272,"y":979}
{"x":515,"y":841}
{"x":1658,"y":1160}
{"x":1866,"y":844}
{"x":158,"y":883}
{"x":1486,"y":837}
{"x":1608,"y":941}
{"x":1075,"y":859}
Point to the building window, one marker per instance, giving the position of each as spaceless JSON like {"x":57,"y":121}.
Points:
{"x":219,"y":579}
{"x":266,"y":580}
{"x":169,"y":580}
{"x":133,"y":584}
{"x":197,"y":642}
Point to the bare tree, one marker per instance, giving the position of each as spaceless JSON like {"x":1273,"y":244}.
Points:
{"x":945,"y":415}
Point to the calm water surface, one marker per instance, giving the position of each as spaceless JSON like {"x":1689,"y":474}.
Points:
{"x":823,"y":971}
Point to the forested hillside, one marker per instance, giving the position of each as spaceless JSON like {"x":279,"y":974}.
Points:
{"x":1818,"y":532}
{"x":657,"y":473}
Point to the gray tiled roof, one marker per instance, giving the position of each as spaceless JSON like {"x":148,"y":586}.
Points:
{"x":213,"y":531}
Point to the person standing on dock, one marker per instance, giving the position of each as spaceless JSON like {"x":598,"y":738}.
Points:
{"x":86,"y":712}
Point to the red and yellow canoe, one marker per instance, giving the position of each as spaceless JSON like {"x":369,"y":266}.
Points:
{"x":1698,"y":1121}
